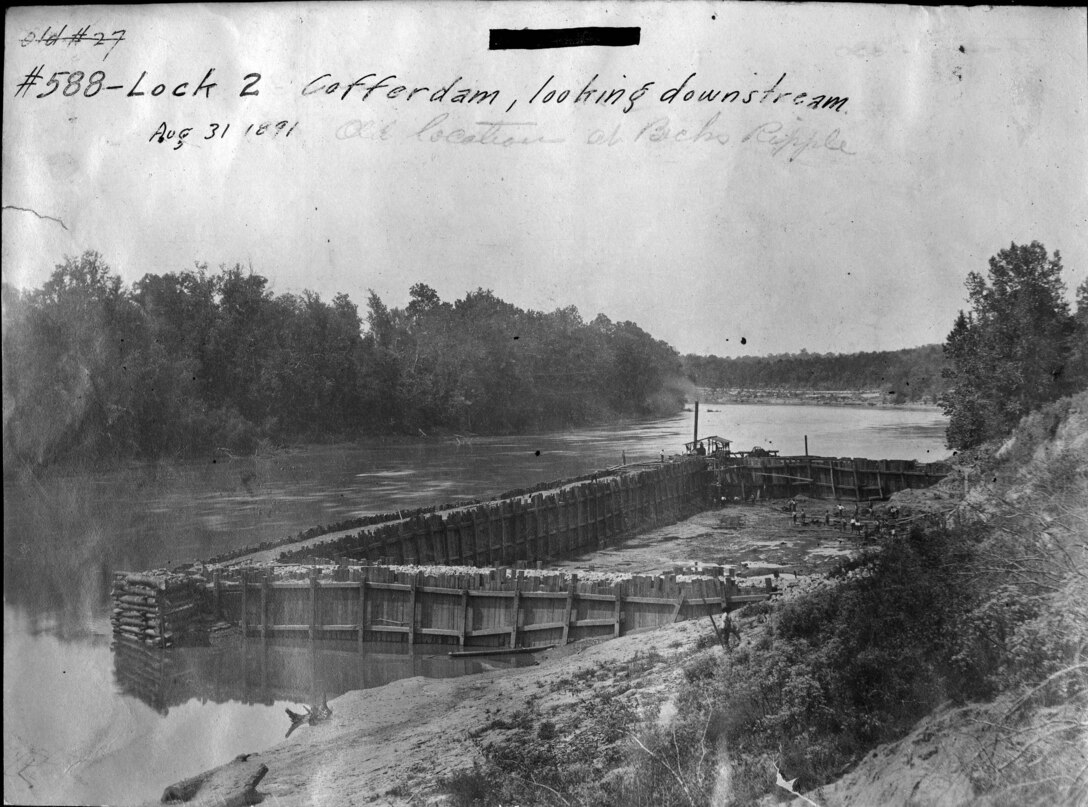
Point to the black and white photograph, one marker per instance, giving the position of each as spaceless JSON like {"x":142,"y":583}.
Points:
{"x":566,"y":404}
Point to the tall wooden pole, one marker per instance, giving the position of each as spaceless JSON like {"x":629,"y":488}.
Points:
{"x":696,"y":438}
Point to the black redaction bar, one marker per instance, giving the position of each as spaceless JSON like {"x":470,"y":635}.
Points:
{"x":542,"y":38}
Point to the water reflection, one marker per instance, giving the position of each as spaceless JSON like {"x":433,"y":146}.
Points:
{"x":266,"y":671}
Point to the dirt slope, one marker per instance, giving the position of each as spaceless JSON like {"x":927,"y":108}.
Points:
{"x":1033,"y":486}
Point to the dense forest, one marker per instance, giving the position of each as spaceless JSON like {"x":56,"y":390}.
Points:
{"x":913,"y":374}
{"x":200,"y":360}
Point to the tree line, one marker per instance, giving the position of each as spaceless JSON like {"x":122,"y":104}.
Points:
{"x":909,"y":375}
{"x":198,"y":360}
{"x":192,"y":361}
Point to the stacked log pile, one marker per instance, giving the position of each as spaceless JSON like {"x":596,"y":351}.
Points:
{"x":156,"y":608}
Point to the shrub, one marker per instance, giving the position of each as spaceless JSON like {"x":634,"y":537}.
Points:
{"x":468,"y":788}
{"x":703,"y":667}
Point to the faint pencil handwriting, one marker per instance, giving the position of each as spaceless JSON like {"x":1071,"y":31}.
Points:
{"x":795,"y":140}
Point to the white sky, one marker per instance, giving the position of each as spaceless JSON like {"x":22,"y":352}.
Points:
{"x":956,"y":153}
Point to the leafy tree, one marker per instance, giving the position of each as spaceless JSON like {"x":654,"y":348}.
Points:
{"x":69,"y":369}
{"x":1010,"y":353}
{"x":1077,"y":367}
{"x":425,"y":300}
{"x":179,"y":311}
{"x":238,"y":341}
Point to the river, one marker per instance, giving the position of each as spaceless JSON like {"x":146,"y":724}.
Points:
{"x":81,"y":728}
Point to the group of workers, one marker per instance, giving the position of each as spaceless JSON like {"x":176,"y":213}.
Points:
{"x":855,"y":523}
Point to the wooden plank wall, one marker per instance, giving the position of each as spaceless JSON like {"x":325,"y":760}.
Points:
{"x":853,"y":479}
{"x":543,"y":525}
{"x":496,"y":608}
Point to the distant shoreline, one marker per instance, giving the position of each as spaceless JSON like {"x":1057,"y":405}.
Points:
{"x":778,"y":397}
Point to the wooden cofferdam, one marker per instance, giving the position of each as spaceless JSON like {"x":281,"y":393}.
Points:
{"x":343,"y":587}
{"x":560,"y":522}
{"x":842,"y":478}
{"x":497,"y":608}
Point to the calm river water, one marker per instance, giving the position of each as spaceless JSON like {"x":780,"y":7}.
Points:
{"x":83,"y":725}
